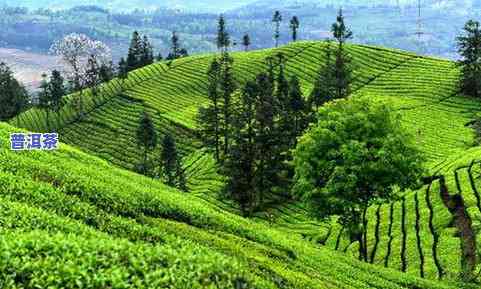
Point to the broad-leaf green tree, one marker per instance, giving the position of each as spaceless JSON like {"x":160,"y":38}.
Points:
{"x":357,"y":155}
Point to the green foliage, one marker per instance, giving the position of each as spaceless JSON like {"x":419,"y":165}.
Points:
{"x":246,"y":41}
{"x":339,"y":29}
{"x":176,"y":51}
{"x":469,"y":47}
{"x":223,"y":38}
{"x":423,"y":90}
{"x":140,"y":53}
{"x":171,"y":166}
{"x":13,"y":96}
{"x":356,"y":155}
{"x":294,"y":25}
{"x":146,"y":139}
{"x":277,"y":19}
{"x":101,"y":226}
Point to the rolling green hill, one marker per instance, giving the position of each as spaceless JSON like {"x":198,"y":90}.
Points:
{"x":415,"y":234}
{"x":91,"y":225}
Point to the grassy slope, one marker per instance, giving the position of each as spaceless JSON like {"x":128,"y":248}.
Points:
{"x":423,"y":90}
{"x":92,"y":225}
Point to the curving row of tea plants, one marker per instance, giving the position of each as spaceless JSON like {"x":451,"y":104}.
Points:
{"x":70,"y":220}
{"x":413,"y":235}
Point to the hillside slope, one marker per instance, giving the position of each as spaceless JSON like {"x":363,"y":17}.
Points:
{"x":91,"y":225}
{"x":414,"y":235}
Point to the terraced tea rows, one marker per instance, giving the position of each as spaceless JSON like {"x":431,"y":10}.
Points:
{"x":411,"y":235}
{"x":415,"y":234}
{"x":89,"y":224}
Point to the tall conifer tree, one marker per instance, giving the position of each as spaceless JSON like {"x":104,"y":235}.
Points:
{"x":277,"y":19}
{"x":223,"y":38}
{"x":146,"y":140}
{"x":246,"y":41}
{"x":342,"y":65}
{"x":135,"y":52}
{"x":294,"y":25}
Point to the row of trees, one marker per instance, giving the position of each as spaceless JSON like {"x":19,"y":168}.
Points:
{"x":252,"y":129}
{"x":168,"y":166}
{"x":257,"y":134}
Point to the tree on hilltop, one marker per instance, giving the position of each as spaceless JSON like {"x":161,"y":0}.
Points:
{"x":79,"y":53}
{"x":277,"y":19}
{"x":147,"y":52}
{"x":50,"y":96}
{"x":469,"y":48}
{"x":135,"y":52}
{"x":340,"y":31}
{"x":342,"y":66}
{"x":176,"y":51}
{"x":44,"y":98}
{"x":325,"y":85}
{"x":57,"y":90}
{"x":294,"y":25}
{"x":223,"y":38}
{"x":246,"y":41}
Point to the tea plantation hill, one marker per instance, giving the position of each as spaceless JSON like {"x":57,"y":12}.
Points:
{"x":71,"y":220}
{"x":415,"y":235}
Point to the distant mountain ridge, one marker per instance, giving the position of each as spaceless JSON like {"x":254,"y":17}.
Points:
{"x":119,"y":5}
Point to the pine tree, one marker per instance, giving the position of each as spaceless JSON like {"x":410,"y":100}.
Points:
{"x":246,"y":41}
{"x":240,"y":163}
{"x":175,"y":47}
{"x":106,"y":72}
{"x":469,"y":47}
{"x":210,"y":117}
{"x":294,"y":25}
{"x":266,"y":171}
{"x":282,"y":106}
{"x":181,"y":179}
{"x":57,"y":90}
{"x":147,"y":52}
{"x":297,"y":108}
{"x":146,"y":140}
{"x":340,"y":31}
{"x":342,"y":66}
{"x":277,"y":19}
{"x":325,"y":84}
{"x":44,"y":98}
{"x":135,"y":52}
{"x":183,"y":52}
{"x":223,"y":38}
{"x":227,"y":85}
{"x":159,"y":57}
{"x":168,"y":159}
{"x":123,"y":73}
